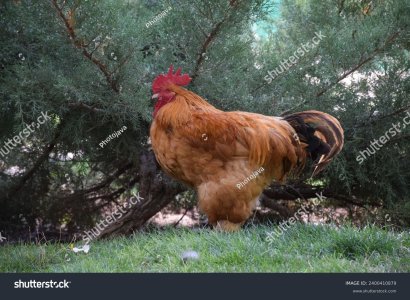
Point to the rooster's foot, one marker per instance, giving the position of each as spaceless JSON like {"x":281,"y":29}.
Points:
{"x":224,"y":225}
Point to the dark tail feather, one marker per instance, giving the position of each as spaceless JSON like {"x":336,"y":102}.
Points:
{"x":321,"y":132}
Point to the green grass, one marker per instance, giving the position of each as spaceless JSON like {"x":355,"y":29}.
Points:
{"x":302,"y":248}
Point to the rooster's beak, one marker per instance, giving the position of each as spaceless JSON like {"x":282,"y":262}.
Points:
{"x":155,"y":96}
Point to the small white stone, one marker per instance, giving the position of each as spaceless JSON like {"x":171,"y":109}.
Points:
{"x":189,"y":255}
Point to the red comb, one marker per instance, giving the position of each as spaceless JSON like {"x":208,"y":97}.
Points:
{"x":163,"y":80}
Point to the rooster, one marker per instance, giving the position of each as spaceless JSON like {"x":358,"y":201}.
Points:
{"x":230,"y":157}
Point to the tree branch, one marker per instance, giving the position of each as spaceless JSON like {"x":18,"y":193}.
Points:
{"x":80,"y":45}
{"x":85,"y":106}
{"x":286,"y":112}
{"x":107,"y":181}
{"x":399,"y":137}
{"x":208,"y":41}
{"x":44,"y":156}
{"x":301,"y":190}
{"x":362,"y":62}
{"x":272,"y":204}
{"x":394,"y":113}
{"x":204,"y":48}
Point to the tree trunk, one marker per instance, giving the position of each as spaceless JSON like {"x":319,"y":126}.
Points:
{"x":157,"y":191}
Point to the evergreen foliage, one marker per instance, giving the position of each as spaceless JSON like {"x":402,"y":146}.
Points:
{"x":90,"y":65}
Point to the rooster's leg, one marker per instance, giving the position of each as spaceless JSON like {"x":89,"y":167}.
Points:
{"x":225,"y":225}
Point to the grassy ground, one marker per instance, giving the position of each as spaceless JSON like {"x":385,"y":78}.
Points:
{"x":302,"y":248}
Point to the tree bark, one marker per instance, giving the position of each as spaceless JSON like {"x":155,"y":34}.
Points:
{"x":304,"y":191}
{"x":157,"y":191}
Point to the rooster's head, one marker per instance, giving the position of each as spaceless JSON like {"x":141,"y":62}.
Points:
{"x":161,"y":84}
